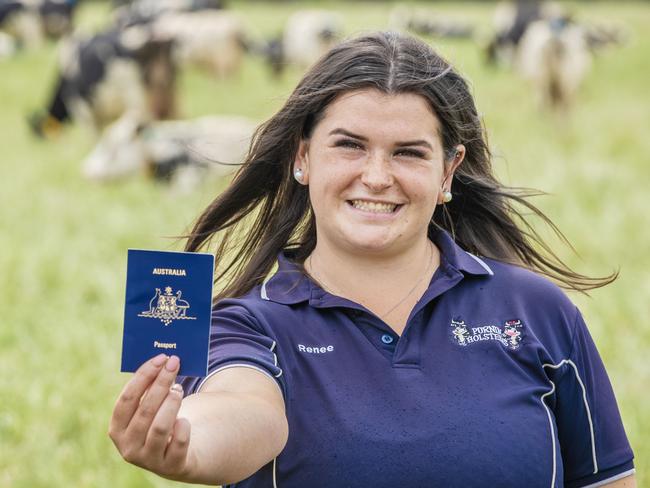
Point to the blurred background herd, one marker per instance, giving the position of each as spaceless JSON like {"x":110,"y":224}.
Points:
{"x":121,"y":120}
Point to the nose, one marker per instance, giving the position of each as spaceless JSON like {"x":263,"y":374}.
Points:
{"x":377,"y":174}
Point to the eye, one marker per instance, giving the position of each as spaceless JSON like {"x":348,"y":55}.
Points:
{"x":410,"y":153}
{"x":348,"y":144}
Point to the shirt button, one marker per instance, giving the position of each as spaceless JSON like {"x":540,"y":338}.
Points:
{"x":387,"y":339}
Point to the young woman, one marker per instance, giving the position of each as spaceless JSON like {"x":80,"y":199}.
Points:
{"x":407,"y":337}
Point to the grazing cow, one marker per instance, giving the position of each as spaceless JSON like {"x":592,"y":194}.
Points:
{"x":20,"y":26}
{"x":181,"y":151}
{"x":308,"y":34}
{"x":28,"y":22}
{"x":204,"y":35}
{"x":213,"y":40}
{"x":511,"y":19}
{"x":56,"y":16}
{"x":601,"y":36}
{"x":424,"y":22}
{"x":555,"y":56}
{"x":145,"y":11}
{"x":107,"y":75}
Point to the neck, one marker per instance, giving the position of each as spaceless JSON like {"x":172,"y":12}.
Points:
{"x":378,"y":282}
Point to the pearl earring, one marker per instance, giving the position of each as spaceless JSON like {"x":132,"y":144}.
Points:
{"x":446,"y":196}
{"x":297,"y":174}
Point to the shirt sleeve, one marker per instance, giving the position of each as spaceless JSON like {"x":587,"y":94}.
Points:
{"x":593,"y":444}
{"x":237,"y":340}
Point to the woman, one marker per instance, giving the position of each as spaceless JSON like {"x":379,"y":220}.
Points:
{"x":381,"y":352}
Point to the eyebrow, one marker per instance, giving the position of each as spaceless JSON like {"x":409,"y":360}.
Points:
{"x":343,"y":132}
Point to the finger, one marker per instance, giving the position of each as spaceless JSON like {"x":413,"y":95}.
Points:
{"x":148,"y":408}
{"x":176,"y":453}
{"x":163,"y":423}
{"x":129,"y":399}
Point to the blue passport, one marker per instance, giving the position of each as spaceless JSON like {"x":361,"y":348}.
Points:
{"x":168,"y":309}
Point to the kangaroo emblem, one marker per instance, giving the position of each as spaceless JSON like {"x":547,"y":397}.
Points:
{"x":167,"y":307}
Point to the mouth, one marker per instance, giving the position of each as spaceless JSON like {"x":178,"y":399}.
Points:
{"x":375,"y":207}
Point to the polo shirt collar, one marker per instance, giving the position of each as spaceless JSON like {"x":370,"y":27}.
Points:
{"x":290,"y":286}
{"x":456,"y":258}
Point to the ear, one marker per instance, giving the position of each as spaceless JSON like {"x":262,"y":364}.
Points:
{"x":302,"y":161}
{"x":449,"y":170}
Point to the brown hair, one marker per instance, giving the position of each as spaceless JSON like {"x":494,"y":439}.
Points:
{"x":264,"y":210}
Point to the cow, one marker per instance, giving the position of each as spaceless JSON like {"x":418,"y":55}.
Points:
{"x":181,"y":152}
{"x":425,"y":22}
{"x":307,"y":35}
{"x":108,"y":74}
{"x":204,"y":35}
{"x":28,"y":22}
{"x":554,"y":55}
{"x":510,"y":20}
{"x":146,"y":11}
{"x":601,"y":36}
{"x":20,"y":26}
{"x":212,"y":40}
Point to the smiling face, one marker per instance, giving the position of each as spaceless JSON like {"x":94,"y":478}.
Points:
{"x":375,"y":169}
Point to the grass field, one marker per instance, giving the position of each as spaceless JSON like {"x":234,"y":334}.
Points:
{"x":63,"y":240}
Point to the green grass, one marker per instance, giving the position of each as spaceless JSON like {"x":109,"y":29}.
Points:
{"x":63,"y":240}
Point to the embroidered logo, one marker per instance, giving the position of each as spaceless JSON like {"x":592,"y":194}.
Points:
{"x":167,"y":307}
{"x":509,"y":335}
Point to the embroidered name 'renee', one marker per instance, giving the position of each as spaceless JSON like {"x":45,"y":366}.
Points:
{"x":168,"y":271}
{"x":315,"y":350}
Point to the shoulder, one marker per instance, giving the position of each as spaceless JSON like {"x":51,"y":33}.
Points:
{"x":254,"y":307}
{"x":521,"y":284}
{"x":547,"y":313}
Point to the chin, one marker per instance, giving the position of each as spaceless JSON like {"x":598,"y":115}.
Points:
{"x":370,"y":244}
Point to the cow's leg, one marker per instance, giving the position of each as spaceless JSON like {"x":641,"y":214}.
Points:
{"x":48,"y":123}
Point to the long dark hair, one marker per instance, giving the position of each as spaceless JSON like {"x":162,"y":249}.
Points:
{"x":264,"y":210}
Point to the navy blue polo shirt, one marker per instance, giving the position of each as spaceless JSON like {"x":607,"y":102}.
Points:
{"x":495,"y":381}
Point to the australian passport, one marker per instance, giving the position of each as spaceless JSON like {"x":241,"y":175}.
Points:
{"x":168,"y":308}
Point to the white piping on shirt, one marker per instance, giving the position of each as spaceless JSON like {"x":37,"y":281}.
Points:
{"x":619,"y":476}
{"x":482,"y":263}
{"x":550,"y":424}
{"x":550,"y":420}
{"x":584,"y":399}
{"x":275,"y":358}
{"x":263,"y":294}
{"x":275,"y":481}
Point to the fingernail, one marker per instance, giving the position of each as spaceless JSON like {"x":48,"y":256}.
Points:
{"x":159,"y":360}
{"x":172,"y":363}
{"x":177,"y":388}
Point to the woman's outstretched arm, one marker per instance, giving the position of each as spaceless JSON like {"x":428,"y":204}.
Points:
{"x":235,"y":425}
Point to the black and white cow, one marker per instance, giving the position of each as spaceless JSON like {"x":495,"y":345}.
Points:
{"x":147,"y":11}
{"x":554,"y":56}
{"x":26,"y":23}
{"x":107,"y":75}
{"x":510,"y":20}
{"x":425,"y":21}
{"x":57,"y":16}
{"x":211,"y":40}
{"x":205,"y":35}
{"x":307,"y":35}
{"x":181,"y":152}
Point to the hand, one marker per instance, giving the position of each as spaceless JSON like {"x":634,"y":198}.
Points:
{"x":144,"y":426}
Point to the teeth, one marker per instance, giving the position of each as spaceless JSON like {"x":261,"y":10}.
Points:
{"x":374,"y":207}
